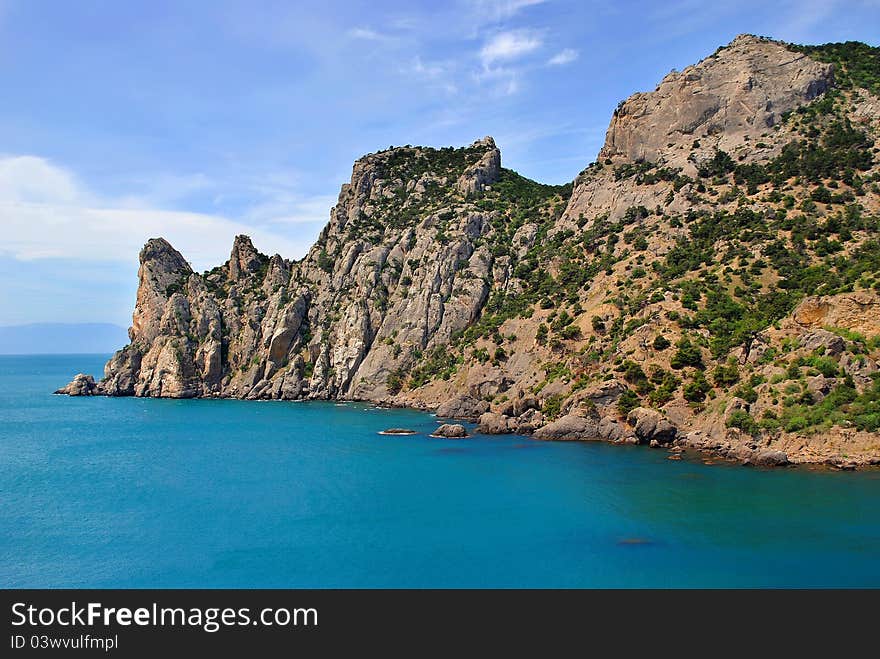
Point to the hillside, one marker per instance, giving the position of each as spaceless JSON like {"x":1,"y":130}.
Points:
{"x":711,"y":281}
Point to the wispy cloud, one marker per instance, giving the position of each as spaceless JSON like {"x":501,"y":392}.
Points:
{"x":429,"y":70}
{"x":499,"y":80}
{"x":508,"y":46}
{"x":368,"y":34}
{"x":46,"y":213}
{"x":494,"y":11}
{"x":29,"y":179}
{"x":807,"y":15}
{"x":563,"y":57}
{"x":437,"y":74}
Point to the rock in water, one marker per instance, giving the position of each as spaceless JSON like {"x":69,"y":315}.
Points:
{"x":450,"y":431}
{"x":81,"y":385}
{"x":492,"y":423}
{"x":570,"y":427}
{"x":651,"y":426}
{"x":465,"y":407}
{"x":770,"y":458}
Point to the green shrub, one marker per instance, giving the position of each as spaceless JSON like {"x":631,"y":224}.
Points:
{"x":324,"y":261}
{"x":726,"y":375}
{"x":552,"y":406}
{"x":627,"y":402}
{"x":687,"y":355}
{"x":695,"y":391}
{"x":746,"y":392}
{"x":742,"y":420}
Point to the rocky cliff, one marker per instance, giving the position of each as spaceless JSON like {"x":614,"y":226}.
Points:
{"x":711,"y":281}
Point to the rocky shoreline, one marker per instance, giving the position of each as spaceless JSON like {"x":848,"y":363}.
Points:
{"x":645,"y":427}
{"x":650,"y":428}
{"x":711,"y":282}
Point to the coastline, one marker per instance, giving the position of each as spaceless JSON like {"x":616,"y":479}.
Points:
{"x":695,"y":446}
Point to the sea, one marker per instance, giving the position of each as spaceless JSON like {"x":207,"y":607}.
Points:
{"x":141,"y":493}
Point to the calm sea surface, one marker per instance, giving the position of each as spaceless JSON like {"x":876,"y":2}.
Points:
{"x":104,"y":492}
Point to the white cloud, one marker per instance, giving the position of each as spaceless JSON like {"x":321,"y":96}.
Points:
{"x":367,"y":34}
{"x":436,"y":74}
{"x":429,"y":70}
{"x":508,"y":46}
{"x":499,"y":81}
{"x":32,"y":179}
{"x":293,"y":209}
{"x":491,"y":11}
{"x":566,"y":56}
{"x":46,"y":214}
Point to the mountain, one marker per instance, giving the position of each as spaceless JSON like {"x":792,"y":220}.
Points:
{"x":61,"y":338}
{"x":710,"y":282}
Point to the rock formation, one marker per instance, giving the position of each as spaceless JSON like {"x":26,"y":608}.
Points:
{"x":710,"y":282}
{"x":450,"y":431}
{"x":81,"y":385}
{"x":732,"y":97}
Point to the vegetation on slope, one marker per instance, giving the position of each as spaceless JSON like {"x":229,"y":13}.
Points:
{"x":759,"y":238}
{"x":856,"y":65}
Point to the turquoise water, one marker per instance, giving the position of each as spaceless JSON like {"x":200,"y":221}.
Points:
{"x":158,"y":493}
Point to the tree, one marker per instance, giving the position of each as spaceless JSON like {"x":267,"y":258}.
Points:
{"x":687,"y":354}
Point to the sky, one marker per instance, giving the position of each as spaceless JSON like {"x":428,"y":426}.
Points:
{"x":199,"y":120}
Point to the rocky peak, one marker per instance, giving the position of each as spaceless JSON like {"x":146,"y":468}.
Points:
{"x":244,"y":259}
{"x":735,"y":95}
{"x":161,"y":259}
{"x":482,"y":173}
{"x":163,"y":270}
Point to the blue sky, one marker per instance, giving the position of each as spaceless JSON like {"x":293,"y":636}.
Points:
{"x":199,"y":120}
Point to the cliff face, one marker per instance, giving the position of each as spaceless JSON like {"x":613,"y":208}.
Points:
{"x":397,"y":271}
{"x":687,"y":289}
{"x":732,"y":97}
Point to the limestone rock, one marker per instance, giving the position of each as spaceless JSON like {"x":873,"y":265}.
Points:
{"x":612,"y":430}
{"x":739,"y":92}
{"x":570,"y":427}
{"x":463,"y":407}
{"x":833,"y":344}
{"x":483,"y":173}
{"x":492,"y":423}
{"x":433,"y":286}
{"x":450,"y":431}
{"x":651,"y":425}
{"x":527,"y":422}
{"x":81,"y":385}
{"x":820,"y":386}
{"x":520,"y":405}
{"x":603,"y":395}
{"x":770,"y":458}
{"x":857,"y":312}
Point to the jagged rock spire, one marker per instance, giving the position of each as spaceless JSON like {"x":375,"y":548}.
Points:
{"x":244,"y":258}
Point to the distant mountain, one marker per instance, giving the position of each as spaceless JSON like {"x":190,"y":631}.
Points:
{"x":61,"y":338}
